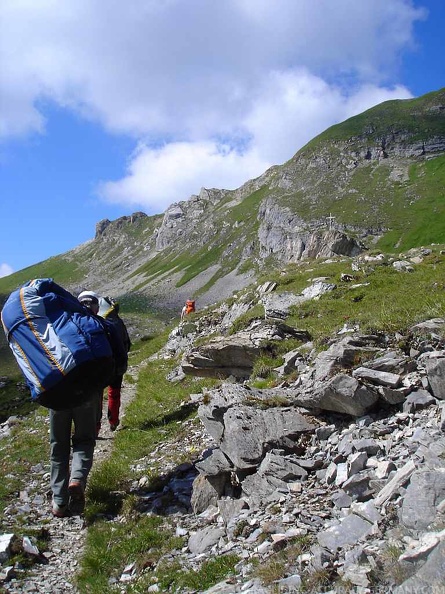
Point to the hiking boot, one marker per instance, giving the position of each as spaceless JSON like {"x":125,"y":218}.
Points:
{"x":77,"y":497}
{"x":59,"y":510}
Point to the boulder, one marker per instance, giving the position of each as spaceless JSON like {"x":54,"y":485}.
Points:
{"x":205,"y":539}
{"x":249,"y":432}
{"x":424,"y":493}
{"x":380,"y":378}
{"x":435,"y":370}
{"x":345,"y":354}
{"x":235,"y":355}
{"x":348,"y":531}
{"x":205,"y":493}
{"x":430,"y":577}
{"x":343,"y":394}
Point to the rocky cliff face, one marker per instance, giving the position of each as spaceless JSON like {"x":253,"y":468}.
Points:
{"x":190,"y":222}
{"x":290,"y":238}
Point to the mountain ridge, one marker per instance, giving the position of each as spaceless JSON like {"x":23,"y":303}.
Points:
{"x":375,"y":180}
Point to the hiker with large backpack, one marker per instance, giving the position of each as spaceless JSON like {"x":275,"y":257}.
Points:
{"x":109,"y":310}
{"x":68,"y":488}
{"x":67,"y":355}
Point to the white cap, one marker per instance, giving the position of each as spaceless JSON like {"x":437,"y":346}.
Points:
{"x":89,"y":297}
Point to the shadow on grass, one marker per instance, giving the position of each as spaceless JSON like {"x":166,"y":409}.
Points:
{"x":180,"y":414}
{"x":15,"y":399}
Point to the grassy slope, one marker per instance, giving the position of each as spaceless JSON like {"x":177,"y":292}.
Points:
{"x":412,"y":115}
{"x":422,"y":221}
{"x":367,"y":194}
{"x":386,"y":301}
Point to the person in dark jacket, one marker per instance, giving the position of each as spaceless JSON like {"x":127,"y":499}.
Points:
{"x":109,"y":310}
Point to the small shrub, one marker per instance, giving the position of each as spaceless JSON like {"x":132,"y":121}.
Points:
{"x":240,"y":527}
{"x":271,"y":402}
{"x":316,"y":580}
{"x":263,"y":367}
{"x":272,"y":570}
{"x":389,"y":570}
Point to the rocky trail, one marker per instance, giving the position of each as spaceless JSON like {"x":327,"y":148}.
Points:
{"x":53,"y":571}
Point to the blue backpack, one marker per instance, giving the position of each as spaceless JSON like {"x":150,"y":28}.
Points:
{"x":62,"y":348}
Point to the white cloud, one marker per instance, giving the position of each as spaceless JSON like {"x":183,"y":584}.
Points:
{"x":293,"y":108}
{"x":158,"y":177}
{"x":180,"y":68}
{"x":5,"y":270}
{"x":212,"y":92}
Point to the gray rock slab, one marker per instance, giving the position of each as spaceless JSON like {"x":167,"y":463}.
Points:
{"x":366,"y":510}
{"x":370,"y":446}
{"x":357,"y":462}
{"x":429,"y":578}
{"x":393,"y":396}
{"x":341,"y":499}
{"x":396,"y":482}
{"x":6,"y":541}
{"x":278,"y":305}
{"x":434,"y":327}
{"x":248,"y":430}
{"x":231,"y":508}
{"x":344,"y":394}
{"x":262,"y":489}
{"x":205,"y":493}
{"x":204,"y":539}
{"x":381,"y":378}
{"x":281,"y":467}
{"x":349,"y":531}
{"x":392,"y":362}
{"x":435,"y":370}
{"x":424,"y":493}
{"x":417,"y":400}
{"x":222,"y":357}
{"x":358,"y":486}
{"x":214,"y":464}
{"x":343,"y":354}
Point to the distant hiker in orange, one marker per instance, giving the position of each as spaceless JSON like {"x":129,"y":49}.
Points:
{"x":188,"y":308}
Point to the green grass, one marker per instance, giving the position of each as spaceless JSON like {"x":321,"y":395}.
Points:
{"x":389,"y":301}
{"x":111,"y":548}
{"x":200,"y":262}
{"x":63,"y":270}
{"x":27,"y":446}
{"x":423,"y":221}
{"x":177,"y":579}
{"x":413,"y":115}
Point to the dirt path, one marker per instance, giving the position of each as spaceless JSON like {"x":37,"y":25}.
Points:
{"x":66,"y":536}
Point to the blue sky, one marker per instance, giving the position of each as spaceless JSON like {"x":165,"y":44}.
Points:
{"x":109,"y":107}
